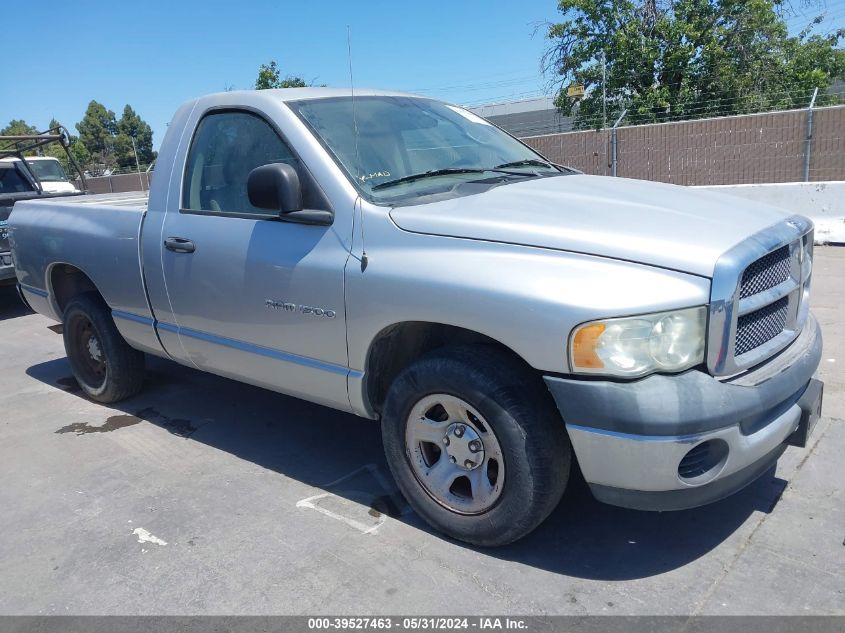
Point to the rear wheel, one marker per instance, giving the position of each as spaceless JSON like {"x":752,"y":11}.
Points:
{"x":105,"y":366}
{"x":475,"y":444}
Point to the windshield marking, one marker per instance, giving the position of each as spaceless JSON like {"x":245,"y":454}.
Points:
{"x":375,"y":174}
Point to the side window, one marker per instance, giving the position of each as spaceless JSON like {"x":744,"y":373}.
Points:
{"x":226,"y":147}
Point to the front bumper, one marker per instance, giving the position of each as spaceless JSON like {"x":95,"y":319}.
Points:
{"x":631,"y":437}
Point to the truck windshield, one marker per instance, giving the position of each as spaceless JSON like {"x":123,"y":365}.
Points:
{"x":410,"y":146}
{"x":48,"y":170}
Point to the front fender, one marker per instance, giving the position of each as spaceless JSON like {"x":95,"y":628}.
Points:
{"x":527,"y":298}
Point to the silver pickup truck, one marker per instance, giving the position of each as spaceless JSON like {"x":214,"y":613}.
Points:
{"x":501,"y":316}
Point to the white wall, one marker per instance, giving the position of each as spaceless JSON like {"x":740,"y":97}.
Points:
{"x":822,"y":202}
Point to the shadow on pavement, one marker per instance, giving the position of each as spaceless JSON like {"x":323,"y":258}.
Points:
{"x":582,"y":538}
{"x":588,"y":539}
{"x":11,"y":305}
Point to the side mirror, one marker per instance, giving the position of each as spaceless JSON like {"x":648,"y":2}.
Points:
{"x":275,"y":187}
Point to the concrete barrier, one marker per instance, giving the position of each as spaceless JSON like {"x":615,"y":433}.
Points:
{"x":822,"y":202}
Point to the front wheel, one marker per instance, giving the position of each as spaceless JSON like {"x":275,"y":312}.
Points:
{"x":105,"y":366}
{"x":475,"y":444}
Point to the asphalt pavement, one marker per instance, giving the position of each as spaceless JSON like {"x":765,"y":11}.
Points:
{"x":202,"y":495}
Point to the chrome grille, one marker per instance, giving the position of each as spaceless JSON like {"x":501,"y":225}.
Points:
{"x":759,"y":297}
{"x":760,"y":326}
{"x":767,"y":272}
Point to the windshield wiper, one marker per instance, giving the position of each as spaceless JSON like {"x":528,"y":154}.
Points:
{"x":527,"y":162}
{"x":445,"y":172}
{"x":428,"y":174}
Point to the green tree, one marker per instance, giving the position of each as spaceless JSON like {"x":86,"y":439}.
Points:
{"x":269,"y":76}
{"x":77,"y":149}
{"x":56,"y":151}
{"x":17,"y":127}
{"x":671,"y":59}
{"x":80,"y":154}
{"x":97,"y":130}
{"x":131,"y":126}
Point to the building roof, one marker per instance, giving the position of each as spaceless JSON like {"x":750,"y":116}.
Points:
{"x":526,"y":117}
{"x":536,"y":104}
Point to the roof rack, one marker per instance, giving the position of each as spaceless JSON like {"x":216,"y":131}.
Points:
{"x":16,"y":145}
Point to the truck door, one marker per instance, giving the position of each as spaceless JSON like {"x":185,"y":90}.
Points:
{"x":253,"y":297}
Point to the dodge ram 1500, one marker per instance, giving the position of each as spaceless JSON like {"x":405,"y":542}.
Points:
{"x":501,"y":316}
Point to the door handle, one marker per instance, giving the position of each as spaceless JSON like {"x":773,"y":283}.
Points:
{"x":179,"y":245}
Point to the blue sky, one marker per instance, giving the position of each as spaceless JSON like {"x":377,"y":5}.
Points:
{"x":155,"y":54}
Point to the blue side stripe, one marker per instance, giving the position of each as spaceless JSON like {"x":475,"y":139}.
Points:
{"x":167,"y":327}
{"x":128,"y":316}
{"x":261,"y":351}
{"x":34,"y":290}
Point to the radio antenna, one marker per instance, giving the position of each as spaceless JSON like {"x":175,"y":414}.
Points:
{"x":355,"y":139}
{"x":352,"y":90}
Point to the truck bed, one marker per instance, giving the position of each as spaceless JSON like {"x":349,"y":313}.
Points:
{"x":132,"y":199}
{"x":97,"y":235}
{"x":7,"y":202}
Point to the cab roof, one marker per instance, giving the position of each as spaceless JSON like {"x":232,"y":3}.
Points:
{"x":301,"y":94}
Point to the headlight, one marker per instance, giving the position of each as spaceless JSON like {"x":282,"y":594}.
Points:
{"x":635,"y":346}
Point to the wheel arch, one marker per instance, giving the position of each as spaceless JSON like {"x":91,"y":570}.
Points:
{"x":65,"y":281}
{"x":397,"y":345}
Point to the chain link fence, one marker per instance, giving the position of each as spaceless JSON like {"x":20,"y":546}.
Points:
{"x":117,"y":183}
{"x":770,"y":147}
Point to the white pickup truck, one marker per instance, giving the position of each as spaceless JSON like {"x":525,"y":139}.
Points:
{"x":52,"y":177}
{"x":500,"y":316}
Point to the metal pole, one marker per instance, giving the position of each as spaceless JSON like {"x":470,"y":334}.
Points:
{"x":808,"y":144}
{"x":137,"y":165}
{"x":65,"y":143}
{"x":614,"y":141}
{"x":603,"y":90}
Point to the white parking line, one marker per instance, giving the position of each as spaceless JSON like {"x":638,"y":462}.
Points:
{"x":311,"y":502}
{"x":350,"y":497}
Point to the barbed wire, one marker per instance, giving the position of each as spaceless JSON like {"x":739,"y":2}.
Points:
{"x":100,"y":170}
{"x":555,"y":91}
{"x":553,"y":129}
{"x":782,"y":100}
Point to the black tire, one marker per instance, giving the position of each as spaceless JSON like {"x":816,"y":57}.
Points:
{"x":530,"y":432}
{"x":107,"y":368}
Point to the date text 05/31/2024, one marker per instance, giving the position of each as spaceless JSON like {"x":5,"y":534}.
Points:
{"x":417,"y":623}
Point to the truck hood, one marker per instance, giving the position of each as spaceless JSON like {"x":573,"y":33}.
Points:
{"x":60,"y":186}
{"x":652,"y":223}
